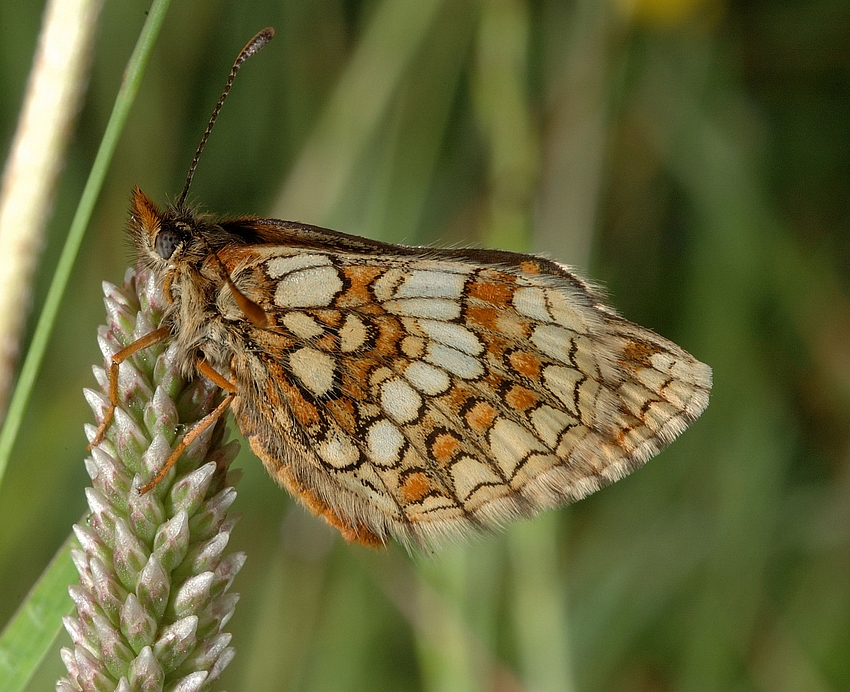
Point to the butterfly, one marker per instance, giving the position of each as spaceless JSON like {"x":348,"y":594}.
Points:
{"x":407,"y":392}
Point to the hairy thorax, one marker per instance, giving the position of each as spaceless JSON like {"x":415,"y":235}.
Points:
{"x":195,"y":318}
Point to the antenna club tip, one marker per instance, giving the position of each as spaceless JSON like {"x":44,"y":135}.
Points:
{"x":262,"y":38}
{"x":255,"y":44}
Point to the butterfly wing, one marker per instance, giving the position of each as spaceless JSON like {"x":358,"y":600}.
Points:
{"x":426,"y":393}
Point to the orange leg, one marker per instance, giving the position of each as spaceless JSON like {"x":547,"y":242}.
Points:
{"x":217,"y":378}
{"x":188,"y":439}
{"x":148,"y":340}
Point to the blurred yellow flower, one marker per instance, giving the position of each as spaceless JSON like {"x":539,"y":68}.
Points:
{"x":669,"y":12}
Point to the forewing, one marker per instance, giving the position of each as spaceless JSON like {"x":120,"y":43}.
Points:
{"x":425,"y":393}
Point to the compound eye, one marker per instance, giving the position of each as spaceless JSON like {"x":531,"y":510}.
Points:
{"x":166,"y":242}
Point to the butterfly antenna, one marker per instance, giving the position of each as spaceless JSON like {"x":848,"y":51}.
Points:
{"x":253,"y":46}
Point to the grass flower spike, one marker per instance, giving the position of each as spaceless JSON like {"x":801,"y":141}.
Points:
{"x":153,"y":594}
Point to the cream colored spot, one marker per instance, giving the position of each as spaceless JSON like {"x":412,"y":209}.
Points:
{"x":379,"y":375}
{"x":314,"y":369}
{"x":368,"y":410}
{"x":468,"y":473}
{"x":338,"y":450}
{"x":665,"y":362}
{"x":455,"y":335}
{"x":425,"y":284}
{"x":587,"y":360}
{"x":426,"y":378}
{"x":562,"y":382}
{"x":432,"y":308}
{"x":549,"y":423}
{"x":413,"y":346}
{"x":510,"y":443}
{"x":511,"y":325}
{"x":566,"y":310}
{"x":384,"y":286}
{"x":555,"y":342}
{"x":634,"y":396}
{"x":454,"y":361}
{"x":660,"y":414}
{"x":531,"y":302}
{"x":308,"y":288}
{"x":651,"y":378}
{"x":678,"y":393}
{"x":302,"y":325}
{"x":400,"y":401}
{"x":443,"y":266}
{"x":385,"y":442}
{"x":278,"y":266}
{"x":352,"y":334}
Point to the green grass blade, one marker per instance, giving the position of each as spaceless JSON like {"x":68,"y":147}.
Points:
{"x":328,"y":161}
{"x":32,"y":629}
{"x":38,"y":346}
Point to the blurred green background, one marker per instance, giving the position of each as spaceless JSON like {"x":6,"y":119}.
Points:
{"x":691,"y":156}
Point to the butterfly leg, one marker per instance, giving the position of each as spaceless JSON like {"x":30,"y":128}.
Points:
{"x":148,"y":340}
{"x":217,"y":378}
{"x":351,"y":532}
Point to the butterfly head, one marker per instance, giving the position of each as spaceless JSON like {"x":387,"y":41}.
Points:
{"x":180,"y":247}
{"x":163,"y":239}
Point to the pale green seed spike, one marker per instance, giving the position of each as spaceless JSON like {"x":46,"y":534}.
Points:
{"x":154,"y":587}
{"x":145,"y":673}
{"x":172,"y":541}
{"x":176,"y":642}
{"x":130,"y":556}
{"x":152,"y":597}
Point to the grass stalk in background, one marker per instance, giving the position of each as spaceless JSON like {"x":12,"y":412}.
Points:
{"x":55,"y":87}
{"x":38,"y":345}
{"x":39,"y":617}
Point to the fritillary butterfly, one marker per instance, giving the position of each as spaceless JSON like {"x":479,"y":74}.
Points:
{"x":410,"y":392}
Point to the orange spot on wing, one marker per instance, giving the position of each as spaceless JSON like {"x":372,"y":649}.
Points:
{"x":355,"y":375}
{"x":526,"y":363}
{"x":444,"y":447}
{"x":415,"y":487}
{"x":530,"y":267}
{"x":494,"y":381}
{"x":328,"y":342}
{"x":357,"y":293}
{"x":480,"y":417}
{"x":330,"y":318}
{"x":639,"y":353}
{"x":305,"y":412}
{"x":486,"y":317}
{"x":456,"y":398}
{"x":491,"y":292}
{"x":390,"y":332}
{"x":495,"y":345}
{"x":501,"y":321}
{"x":521,"y":398}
